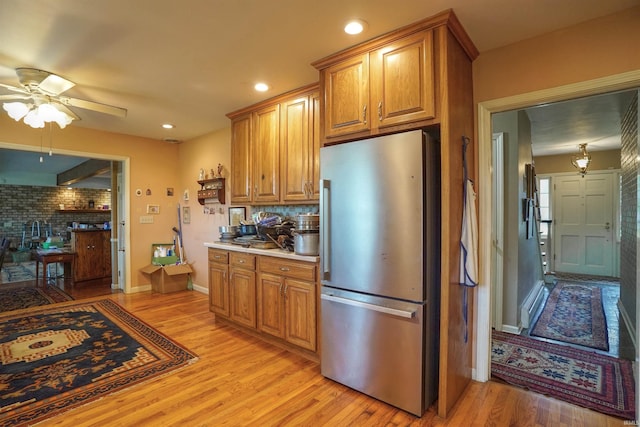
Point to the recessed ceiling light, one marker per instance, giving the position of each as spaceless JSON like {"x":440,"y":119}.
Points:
{"x":355,"y":26}
{"x":261,"y":87}
{"x":168,"y":126}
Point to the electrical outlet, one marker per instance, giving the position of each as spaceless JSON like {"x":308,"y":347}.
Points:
{"x":146,"y":219}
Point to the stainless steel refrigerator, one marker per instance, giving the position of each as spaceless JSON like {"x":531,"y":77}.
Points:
{"x":380,"y":267}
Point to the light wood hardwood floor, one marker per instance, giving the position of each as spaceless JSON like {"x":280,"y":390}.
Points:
{"x":242,"y":381}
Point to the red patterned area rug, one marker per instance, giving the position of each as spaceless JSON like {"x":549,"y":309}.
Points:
{"x":16,"y":297}
{"x":58,"y":357}
{"x":584,"y":378}
{"x":574,"y":314}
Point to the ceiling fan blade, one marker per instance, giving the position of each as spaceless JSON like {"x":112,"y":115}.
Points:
{"x":15,"y":96}
{"x":42,"y":81}
{"x":55,"y":85}
{"x":94,"y":106}
{"x":60,"y":106}
{"x":13,"y":88}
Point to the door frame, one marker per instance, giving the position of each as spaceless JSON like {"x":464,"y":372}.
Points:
{"x":125,"y":192}
{"x":483,"y":303}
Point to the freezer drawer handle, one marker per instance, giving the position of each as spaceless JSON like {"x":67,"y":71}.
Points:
{"x":379,"y":308}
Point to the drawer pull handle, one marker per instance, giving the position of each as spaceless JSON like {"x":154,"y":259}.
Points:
{"x":241,"y":261}
{"x":284,"y":268}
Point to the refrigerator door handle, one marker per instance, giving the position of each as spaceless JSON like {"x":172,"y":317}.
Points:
{"x":325,"y":221}
{"x":378,"y":308}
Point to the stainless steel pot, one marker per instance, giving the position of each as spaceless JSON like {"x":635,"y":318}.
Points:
{"x":308,"y":221}
{"x":306,"y":243}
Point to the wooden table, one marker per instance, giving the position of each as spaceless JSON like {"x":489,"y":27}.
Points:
{"x":47,"y":256}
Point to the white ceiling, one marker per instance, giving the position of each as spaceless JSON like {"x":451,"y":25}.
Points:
{"x":190,"y":62}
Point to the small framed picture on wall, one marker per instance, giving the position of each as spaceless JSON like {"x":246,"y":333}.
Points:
{"x":236,"y":215}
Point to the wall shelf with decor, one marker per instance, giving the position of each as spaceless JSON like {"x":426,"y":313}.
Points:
{"x":211,"y":191}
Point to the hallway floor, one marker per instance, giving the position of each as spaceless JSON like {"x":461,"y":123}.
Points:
{"x":620,"y":344}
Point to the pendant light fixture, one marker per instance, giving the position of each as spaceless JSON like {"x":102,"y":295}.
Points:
{"x":581,"y":160}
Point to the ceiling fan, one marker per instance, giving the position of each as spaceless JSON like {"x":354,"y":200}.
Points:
{"x":39,"y":99}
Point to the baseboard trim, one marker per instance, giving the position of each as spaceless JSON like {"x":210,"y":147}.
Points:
{"x":511,"y":329}
{"x":202,"y":289}
{"x":531,"y":304}
{"x":629,"y":324}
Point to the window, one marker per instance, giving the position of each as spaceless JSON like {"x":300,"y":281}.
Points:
{"x":544,"y":202}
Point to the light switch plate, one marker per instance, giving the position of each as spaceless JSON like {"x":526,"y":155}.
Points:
{"x":146,"y":219}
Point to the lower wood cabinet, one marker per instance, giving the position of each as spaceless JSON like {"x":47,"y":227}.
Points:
{"x":275,"y":297}
{"x":242,"y":289}
{"x":93,"y":254}
{"x":287,"y":304}
{"x":219,"y":282}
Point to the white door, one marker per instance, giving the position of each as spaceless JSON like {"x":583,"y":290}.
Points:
{"x":583,"y":217}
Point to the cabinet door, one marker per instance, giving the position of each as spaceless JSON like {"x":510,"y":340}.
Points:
{"x":266,"y":154}
{"x":346,"y":88}
{"x":242,"y":295}
{"x":300,"y":312}
{"x":314,"y":144}
{"x":402,"y":81}
{"x":218,"y":289}
{"x":89,"y":263}
{"x":241,"y":186}
{"x":295,"y":149}
{"x":271,"y":305}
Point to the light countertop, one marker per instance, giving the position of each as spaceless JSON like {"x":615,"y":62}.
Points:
{"x":280,"y":253}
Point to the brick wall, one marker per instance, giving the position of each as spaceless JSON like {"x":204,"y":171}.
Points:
{"x":22,"y":204}
{"x":628,"y":244}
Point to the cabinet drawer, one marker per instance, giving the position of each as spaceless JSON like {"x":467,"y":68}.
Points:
{"x":289,"y":268}
{"x":216,"y":255}
{"x":242,"y":260}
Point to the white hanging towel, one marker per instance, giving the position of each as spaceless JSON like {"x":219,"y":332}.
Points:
{"x":469,"y":239}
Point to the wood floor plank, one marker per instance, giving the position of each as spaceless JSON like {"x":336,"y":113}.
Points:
{"x":240,"y":380}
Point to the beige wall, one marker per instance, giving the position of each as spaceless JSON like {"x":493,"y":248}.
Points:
{"x":596,"y":48}
{"x":153,"y":165}
{"x":600,"y":160}
{"x":203,"y":152}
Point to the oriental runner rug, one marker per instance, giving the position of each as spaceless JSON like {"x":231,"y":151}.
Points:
{"x":58,"y":357}
{"x":16,"y":297}
{"x":574,"y":314}
{"x":581,"y":377}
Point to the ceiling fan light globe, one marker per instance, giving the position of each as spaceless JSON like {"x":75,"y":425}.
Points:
{"x":34,"y":120}
{"x":16,"y":110}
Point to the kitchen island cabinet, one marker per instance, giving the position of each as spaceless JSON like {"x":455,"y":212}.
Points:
{"x":270,"y":293}
{"x":93,"y":249}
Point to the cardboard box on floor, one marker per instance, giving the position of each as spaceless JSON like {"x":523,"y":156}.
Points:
{"x":167,"y":278}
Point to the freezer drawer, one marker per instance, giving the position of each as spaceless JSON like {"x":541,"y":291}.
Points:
{"x":376,"y":346}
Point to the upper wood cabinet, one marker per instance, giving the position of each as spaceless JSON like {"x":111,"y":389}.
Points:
{"x":266,"y":154}
{"x":402,"y":81}
{"x":300,"y":148}
{"x":275,"y":149}
{"x":390,"y":85}
{"x":346,"y":88}
{"x":241,"y":179}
